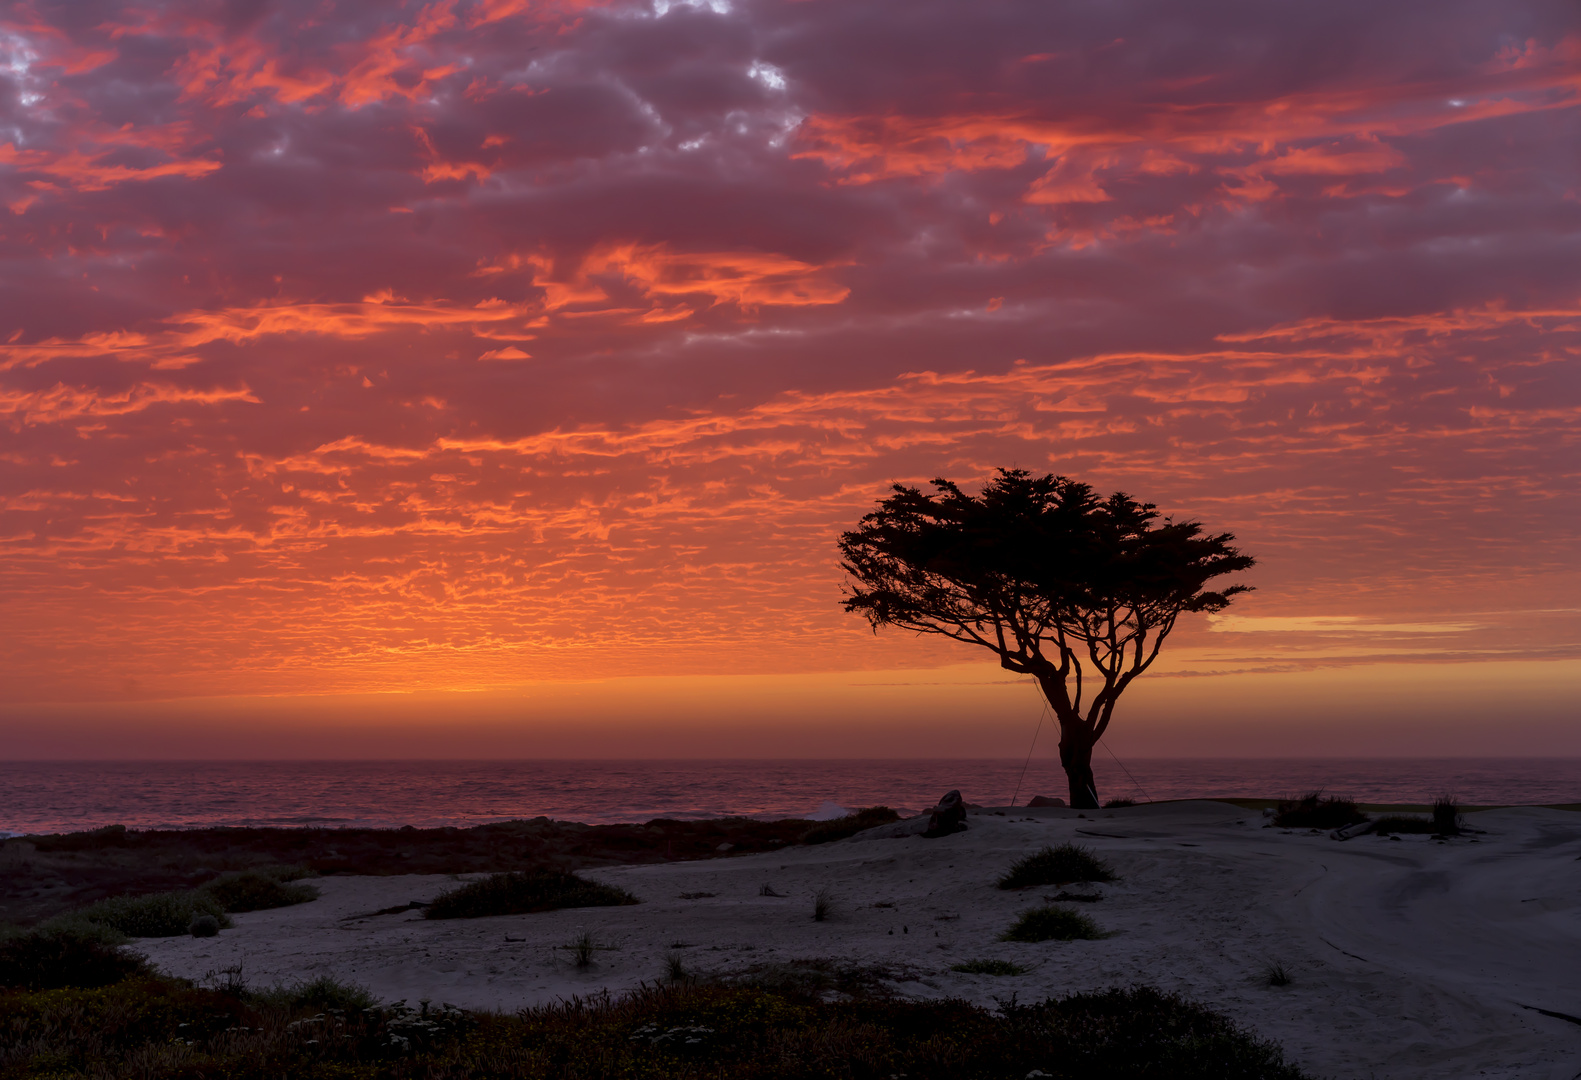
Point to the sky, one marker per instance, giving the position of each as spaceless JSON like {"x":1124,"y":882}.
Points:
{"x":495,"y":376}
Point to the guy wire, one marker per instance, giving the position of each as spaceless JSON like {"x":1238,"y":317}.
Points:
{"x":1028,"y":762}
{"x":1127,"y":772}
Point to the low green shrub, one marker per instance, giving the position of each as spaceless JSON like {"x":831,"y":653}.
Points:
{"x":989,"y":967}
{"x":1052,"y":924}
{"x":520,"y":893}
{"x":161,"y":1029}
{"x":322,"y":994}
{"x":838,"y":829}
{"x":255,"y":890}
{"x":167,"y":914}
{"x":1313,"y":811}
{"x":1056,"y":866}
{"x":50,"y":957}
{"x":1118,"y":804}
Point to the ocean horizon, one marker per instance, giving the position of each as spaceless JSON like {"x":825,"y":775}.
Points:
{"x":64,"y":796}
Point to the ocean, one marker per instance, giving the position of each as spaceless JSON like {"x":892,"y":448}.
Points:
{"x":44,"y":797}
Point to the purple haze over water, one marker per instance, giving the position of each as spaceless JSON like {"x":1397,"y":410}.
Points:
{"x":41,"y":797}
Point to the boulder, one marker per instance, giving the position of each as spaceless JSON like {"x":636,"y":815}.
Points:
{"x":948,"y":817}
{"x":1044,"y":800}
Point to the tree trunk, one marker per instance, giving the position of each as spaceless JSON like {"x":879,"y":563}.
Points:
{"x":1075,"y":754}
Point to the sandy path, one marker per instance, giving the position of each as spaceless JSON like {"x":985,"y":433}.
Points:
{"x":1410,"y":958}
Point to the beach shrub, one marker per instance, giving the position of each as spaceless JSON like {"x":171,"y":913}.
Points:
{"x":1056,"y":866}
{"x":322,"y":994}
{"x":521,"y":893}
{"x":1313,"y":811}
{"x":1445,"y":821}
{"x":203,"y":926}
{"x":167,"y":914}
{"x":1052,"y":923}
{"x":868,"y":818}
{"x":162,"y":1029}
{"x":989,"y":967}
{"x":1446,"y":816}
{"x":1276,"y":974}
{"x":51,"y":957}
{"x":1118,"y":804}
{"x":257,"y":890}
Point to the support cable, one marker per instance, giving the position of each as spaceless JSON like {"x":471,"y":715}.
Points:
{"x":1035,"y":732}
{"x":1127,"y":772}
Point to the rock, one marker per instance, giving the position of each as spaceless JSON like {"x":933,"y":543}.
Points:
{"x":1044,"y":800}
{"x":948,"y":817}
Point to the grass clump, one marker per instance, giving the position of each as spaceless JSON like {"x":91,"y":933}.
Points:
{"x":257,"y":890}
{"x":1445,"y":821}
{"x":1118,"y":804}
{"x":166,"y":914}
{"x":1056,"y":866}
{"x":1446,"y":816}
{"x":867,"y":818}
{"x":989,"y":967}
{"x":162,"y":1029}
{"x":675,"y":967}
{"x":1052,"y":923}
{"x":1276,"y":974}
{"x":521,"y":893}
{"x":54,"y":956}
{"x":1313,"y":811}
{"x":822,"y":905}
{"x":323,"y":994}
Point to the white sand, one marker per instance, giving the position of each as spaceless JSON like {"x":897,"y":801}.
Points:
{"x":1410,"y":958}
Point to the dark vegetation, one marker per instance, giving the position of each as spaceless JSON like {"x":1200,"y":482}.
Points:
{"x":1313,"y":811}
{"x":1118,"y":804}
{"x":869,"y":818}
{"x":163,"y":1029}
{"x":989,"y":967}
{"x":1056,"y":866}
{"x":51,"y":957}
{"x":166,"y":914}
{"x":1444,"y":821}
{"x":1076,"y":590}
{"x":1052,"y":923}
{"x":259,"y":890}
{"x":45,"y":876}
{"x":518,"y":893}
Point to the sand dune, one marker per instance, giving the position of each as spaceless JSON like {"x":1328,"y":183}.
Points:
{"x":1410,"y":958}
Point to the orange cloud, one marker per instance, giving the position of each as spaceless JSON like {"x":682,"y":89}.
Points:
{"x":61,"y":402}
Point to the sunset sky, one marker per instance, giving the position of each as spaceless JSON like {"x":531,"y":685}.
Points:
{"x":490,"y":376}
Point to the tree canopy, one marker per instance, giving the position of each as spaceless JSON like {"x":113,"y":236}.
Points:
{"x":1076,"y":590}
